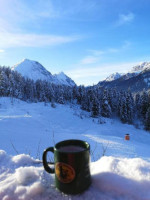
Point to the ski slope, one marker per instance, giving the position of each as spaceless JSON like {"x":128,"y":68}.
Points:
{"x":31,"y":127}
{"x":26,"y":129}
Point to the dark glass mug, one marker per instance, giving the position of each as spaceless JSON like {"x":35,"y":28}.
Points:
{"x":71,"y":165}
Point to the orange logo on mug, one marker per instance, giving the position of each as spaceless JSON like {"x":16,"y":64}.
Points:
{"x":64,"y":172}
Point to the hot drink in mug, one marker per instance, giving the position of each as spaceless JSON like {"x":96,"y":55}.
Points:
{"x":71,"y":165}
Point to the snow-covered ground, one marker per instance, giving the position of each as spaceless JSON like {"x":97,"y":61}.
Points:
{"x":27,"y":129}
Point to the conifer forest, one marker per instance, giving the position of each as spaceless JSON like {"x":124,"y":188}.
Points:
{"x":99,"y":102}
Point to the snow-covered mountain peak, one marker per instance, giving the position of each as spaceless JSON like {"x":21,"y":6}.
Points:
{"x":26,"y":61}
{"x":113,"y":76}
{"x":61,"y":74}
{"x":140,"y":67}
{"x":136,"y":79}
{"x":63,"y":78}
{"x":132,"y":73}
{"x":34,"y":70}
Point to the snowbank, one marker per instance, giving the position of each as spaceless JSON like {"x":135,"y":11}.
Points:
{"x":23,"y":178}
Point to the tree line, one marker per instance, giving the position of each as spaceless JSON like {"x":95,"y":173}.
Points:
{"x":94,"y":99}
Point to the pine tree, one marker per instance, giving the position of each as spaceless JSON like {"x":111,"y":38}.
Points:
{"x":95,"y":108}
{"x":130,"y":107}
{"x":89,"y":99}
{"x":84,"y":102}
{"x":60,"y":98}
{"x":11,"y":85}
{"x":147,"y":119}
{"x":122,"y":108}
{"x":80,"y":94}
{"x":2,"y":83}
{"x":138,"y":105}
{"x":115,"y":101}
{"x":105,"y":107}
{"x":144,"y":104}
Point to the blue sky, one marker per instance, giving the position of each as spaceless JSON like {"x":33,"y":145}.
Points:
{"x":86,"y":39}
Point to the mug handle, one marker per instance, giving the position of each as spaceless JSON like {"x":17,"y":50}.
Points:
{"x":45,"y":163}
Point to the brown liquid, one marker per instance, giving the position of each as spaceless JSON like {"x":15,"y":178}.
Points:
{"x":71,"y":148}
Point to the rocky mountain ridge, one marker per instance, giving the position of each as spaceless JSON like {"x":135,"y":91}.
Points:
{"x":137,"y":79}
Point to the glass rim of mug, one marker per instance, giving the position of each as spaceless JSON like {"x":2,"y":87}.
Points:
{"x":83,"y":143}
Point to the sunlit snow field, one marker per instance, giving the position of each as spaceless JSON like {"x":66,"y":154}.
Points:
{"x":28,"y":128}
{"x":31,"y":127}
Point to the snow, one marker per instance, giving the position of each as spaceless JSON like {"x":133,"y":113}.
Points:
{"x":123,"y":173}
{"x":64,"y":79}
{"x":114,"y":76}
{"x":135,"y":71}
{"x":140,"y":67}
{"x":112,"y":178}
{"x":34,"y":126}
{"x":34,"y":70}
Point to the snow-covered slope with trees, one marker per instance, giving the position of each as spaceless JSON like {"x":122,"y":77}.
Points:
{"x":26,"y":129}
{"x":95,"y":100}
{"x":35,"y":71}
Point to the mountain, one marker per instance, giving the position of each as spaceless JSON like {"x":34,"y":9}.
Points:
{"x":34,"y":70}
{"x":137,"y":79}
{"x":141,"y":67}
{"x":113,"y":77}
{"x":63,"y":79}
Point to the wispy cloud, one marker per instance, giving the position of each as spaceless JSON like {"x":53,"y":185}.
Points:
{"x":93,"y":57}
{"x":96,"y":52}
{"x":89,"y":60}
{"x":2,"y":50}
{"x":8,"y":40}
{"x":17,"y":16}
{"x":125,"y":19}
{"x":96,"y":55}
